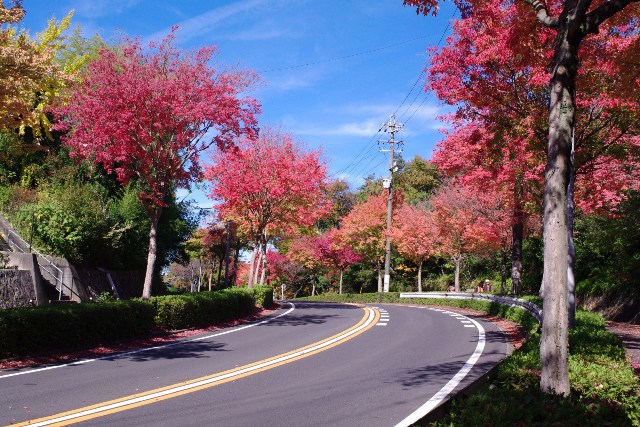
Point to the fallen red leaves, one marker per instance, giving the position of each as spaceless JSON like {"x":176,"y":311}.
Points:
{"x":161,"y":337}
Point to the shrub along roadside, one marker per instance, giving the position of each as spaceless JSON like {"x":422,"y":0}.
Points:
{"x":32,"y":330}
{"x":604,"y":389}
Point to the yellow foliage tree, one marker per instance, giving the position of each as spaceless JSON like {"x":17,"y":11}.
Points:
{"x":32,"y":75}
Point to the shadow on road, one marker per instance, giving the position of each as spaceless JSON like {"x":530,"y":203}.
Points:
{"x":494,"y":337}
{"x":194,"y":350}
{"x":300,"y":320}
{"x":436,"y":374}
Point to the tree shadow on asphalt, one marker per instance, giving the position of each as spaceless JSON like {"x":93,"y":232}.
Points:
{"x":183,"y":350}
{"x":305,"y":319}
{"x":309,"y":319}
{"x":436,"y":374}
{"x":495,"y":337}
{"x":320,"y":304}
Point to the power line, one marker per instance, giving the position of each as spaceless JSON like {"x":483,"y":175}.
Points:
{"x":357,"y":160}
{"x":340,"y":58}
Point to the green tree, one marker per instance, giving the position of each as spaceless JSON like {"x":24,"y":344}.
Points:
{"x":418,"y":178}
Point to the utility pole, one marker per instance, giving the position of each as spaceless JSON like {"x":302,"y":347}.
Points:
{"x":391,"y":127}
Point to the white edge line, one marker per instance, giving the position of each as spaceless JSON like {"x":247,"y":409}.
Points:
{"x":441,"y":395}
{"x":126,"y":353}
{"x":209,"y":380}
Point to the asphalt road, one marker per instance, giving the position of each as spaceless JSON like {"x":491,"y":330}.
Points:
{"x":308,"y":364}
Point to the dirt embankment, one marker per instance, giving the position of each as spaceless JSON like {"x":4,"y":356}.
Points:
{"x":615,"y":307}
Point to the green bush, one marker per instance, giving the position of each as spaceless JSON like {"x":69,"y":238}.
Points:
{"x":39,"y":329}
{"x":203,"y":308}
{"x":263,"y":296}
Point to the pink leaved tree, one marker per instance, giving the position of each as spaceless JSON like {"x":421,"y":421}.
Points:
{"x":335,"y":254}
{"x":572,"y":25}
{"x":466,"y":221}
{"x":415,"y":236}
{"x":147,"y":115}
{"x":269,"y":186}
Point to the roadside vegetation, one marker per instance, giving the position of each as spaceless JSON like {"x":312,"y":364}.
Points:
{"x":30,"y":331}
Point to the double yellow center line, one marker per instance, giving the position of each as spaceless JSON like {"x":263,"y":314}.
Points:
{"x":369,"y":319}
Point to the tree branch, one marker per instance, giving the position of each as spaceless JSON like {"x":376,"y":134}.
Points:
{"x":542,"y":14}
{"x":603,"y":12}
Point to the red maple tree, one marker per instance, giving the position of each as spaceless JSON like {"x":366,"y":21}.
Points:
{"x":335,"y":254}
{"x":498,"y":77}
{"x":148,"y":115}
{"x":414,"y":235}
{"x":268,"y":186}
{"x":571,"y":25}
{"x":364,"y":229}
{"x":466,"y":221}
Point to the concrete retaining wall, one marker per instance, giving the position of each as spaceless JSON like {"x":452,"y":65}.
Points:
{"x":27,"y":262}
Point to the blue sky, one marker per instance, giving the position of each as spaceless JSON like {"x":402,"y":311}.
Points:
{"x":332,"y":70}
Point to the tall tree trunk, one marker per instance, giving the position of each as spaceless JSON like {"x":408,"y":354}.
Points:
{"x":420,"y":276}
{"x":341,"y":271}
{"x":503,"y":271}
{"x":199,"y":276}
{"x":252,"y":264}
{"x":210,"y":277}
{"x":256,"y":269}
{"x":456,"y":281}
{"x":554,"y":342}
{"x":379,"y":277}
{"x":219,"y":273}
{"x":516,"y":250}
{"x":571,"y":254}
{"x":236,"y":259}
{"x":155,"y":213}
{"x":263,"y":274}
{"x":262,"y":262}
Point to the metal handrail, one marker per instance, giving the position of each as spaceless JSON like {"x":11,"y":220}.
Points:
{"x":530,"y":307}
{"x":55,"y":277}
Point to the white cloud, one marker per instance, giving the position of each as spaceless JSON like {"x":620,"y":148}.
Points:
{"x":290,"y":82}
{"x":363,"y":128}
{"x":206,"y":23}
{"x":262,"y":31}
{"x":97,"y":8}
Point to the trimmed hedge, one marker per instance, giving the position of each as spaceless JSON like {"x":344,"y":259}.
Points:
{"x":263,"y":296}
{"x":32,"y":330}
{"x":202,"y":309}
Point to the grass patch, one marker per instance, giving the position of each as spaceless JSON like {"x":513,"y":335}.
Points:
{"x":604,"y":389}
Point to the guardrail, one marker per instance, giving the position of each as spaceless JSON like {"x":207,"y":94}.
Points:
{"x":53,"y":271}
{"x":532,"y":308}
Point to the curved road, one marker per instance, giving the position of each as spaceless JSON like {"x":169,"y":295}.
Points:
{"x":307,"y":364}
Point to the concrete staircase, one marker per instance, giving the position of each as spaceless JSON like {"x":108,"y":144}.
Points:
{"x":58,"y":278}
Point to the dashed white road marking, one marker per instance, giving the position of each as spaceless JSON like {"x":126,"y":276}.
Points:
{"x":384,"y":317}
